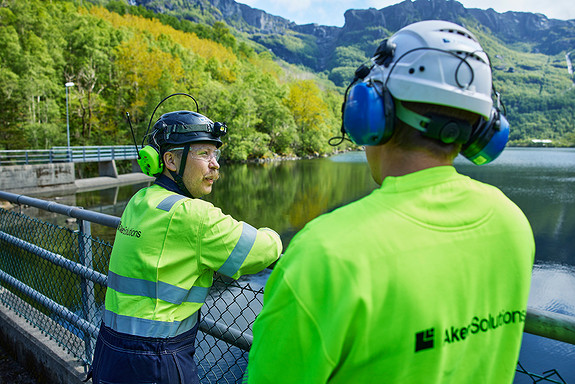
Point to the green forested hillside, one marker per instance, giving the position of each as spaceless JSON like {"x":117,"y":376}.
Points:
{"x":537,"y":90}
{"x":127,"y":63}
{"x":126,"y":59}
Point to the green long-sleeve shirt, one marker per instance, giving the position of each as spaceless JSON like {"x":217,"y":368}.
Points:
{"x":423,"y":281}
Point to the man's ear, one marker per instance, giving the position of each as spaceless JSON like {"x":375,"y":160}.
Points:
{"x":171,"y":161}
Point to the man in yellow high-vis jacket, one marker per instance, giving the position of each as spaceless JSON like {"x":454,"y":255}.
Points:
{"x":168,"y":245}
{"x":426,"y":279}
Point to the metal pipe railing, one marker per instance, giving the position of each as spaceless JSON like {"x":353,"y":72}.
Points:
{"x":214,"y":328}
{"x":65,"y":154}
{"x":550,"y":325}
{"x":50,"y":206}
{"x":230,"y":335}
{"x":56,"y":259}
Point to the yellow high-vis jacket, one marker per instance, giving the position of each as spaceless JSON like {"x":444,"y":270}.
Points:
{"x":166,"y":251}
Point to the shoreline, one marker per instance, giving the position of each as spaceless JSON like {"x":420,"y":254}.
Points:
{"x":103,"y":182}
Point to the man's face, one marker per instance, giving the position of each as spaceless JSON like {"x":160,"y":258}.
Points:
{"x":201,"y":169}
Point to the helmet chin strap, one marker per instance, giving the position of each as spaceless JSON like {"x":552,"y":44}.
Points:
{"x":178,"y":177}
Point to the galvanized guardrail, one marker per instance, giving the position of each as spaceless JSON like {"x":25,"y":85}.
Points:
{"x":68,"y":155}
{"x":214,"y":323}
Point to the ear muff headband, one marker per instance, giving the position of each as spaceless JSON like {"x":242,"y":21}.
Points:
{"x":149,"y":158}
{"x":160,"y":103}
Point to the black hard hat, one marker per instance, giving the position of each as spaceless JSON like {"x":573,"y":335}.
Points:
{"x":182,"y":127}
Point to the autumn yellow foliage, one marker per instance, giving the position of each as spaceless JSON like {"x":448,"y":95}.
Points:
{"x":205,"y":48}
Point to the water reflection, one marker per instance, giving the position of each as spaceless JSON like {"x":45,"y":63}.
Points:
{"x":542,"y":183}
{"x":553,"y":288}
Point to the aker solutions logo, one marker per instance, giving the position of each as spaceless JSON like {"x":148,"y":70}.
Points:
{"x":424,"y":340}
{"x":129,"y":231}
{"x":478,"y":325}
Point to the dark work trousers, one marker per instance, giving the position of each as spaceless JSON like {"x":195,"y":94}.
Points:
{"x":120,"y":358}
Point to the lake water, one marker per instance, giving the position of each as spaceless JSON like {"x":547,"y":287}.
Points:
{"x":286,"y":195}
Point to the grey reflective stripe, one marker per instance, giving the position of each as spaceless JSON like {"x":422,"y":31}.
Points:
{"x":169,"y":202}
{"x":146,"y":327}
{"x":240,"y":251}
{"x":163,"y":291}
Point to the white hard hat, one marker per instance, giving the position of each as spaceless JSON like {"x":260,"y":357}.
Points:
{"x":436,"y":62}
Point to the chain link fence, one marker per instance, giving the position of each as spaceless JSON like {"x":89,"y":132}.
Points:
{"x":36,"y":265}
{"x":55,"y":277}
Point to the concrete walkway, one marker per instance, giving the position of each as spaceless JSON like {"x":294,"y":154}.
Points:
{"x":12,"y":372}
{"x":34,"y":351}
{"x":82,"y":185}
{"x":93,"y":183}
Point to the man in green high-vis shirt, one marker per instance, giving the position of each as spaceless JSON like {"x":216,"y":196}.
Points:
{"x":426,"y":279}
{"x":167,"y":248}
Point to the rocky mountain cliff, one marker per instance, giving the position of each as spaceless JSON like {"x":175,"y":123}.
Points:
{"x":337,"y":50}
{"x":549,"y":36}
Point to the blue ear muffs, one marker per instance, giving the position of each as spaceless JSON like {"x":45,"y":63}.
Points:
{"x":368,"y":119}
{"x":368,"y":114}
{"x":488,"y":139}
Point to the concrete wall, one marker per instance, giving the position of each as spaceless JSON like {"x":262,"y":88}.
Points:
{"x":108,"y":168}
{"x":51,"y":179}
{"x":38,"y":353}
{"x":23,"y":178}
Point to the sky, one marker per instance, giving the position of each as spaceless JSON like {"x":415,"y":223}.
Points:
{"x":330,"y":12}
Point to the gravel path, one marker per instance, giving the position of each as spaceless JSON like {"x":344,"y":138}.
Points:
{"x":11,"y":372}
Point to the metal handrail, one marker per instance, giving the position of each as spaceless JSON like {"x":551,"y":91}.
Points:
{"x":82,"y":324}
{"x":50,"y":206}
{"x":80,"y":154}
{"x":550,"y":325}
{"x":56,"y":259}
{"x":213,"y":328}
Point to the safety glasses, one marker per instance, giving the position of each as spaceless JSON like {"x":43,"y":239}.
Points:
{"x":203,"y":154}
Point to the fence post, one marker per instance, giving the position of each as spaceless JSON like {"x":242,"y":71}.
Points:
{"x":87,"y":286}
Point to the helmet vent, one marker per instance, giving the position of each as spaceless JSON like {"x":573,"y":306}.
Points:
{"x":459,"y":32}
{"x":472,"y":55}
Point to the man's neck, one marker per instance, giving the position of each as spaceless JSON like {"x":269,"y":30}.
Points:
{"x":400,"y":162}
{"x":412,"y":161}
